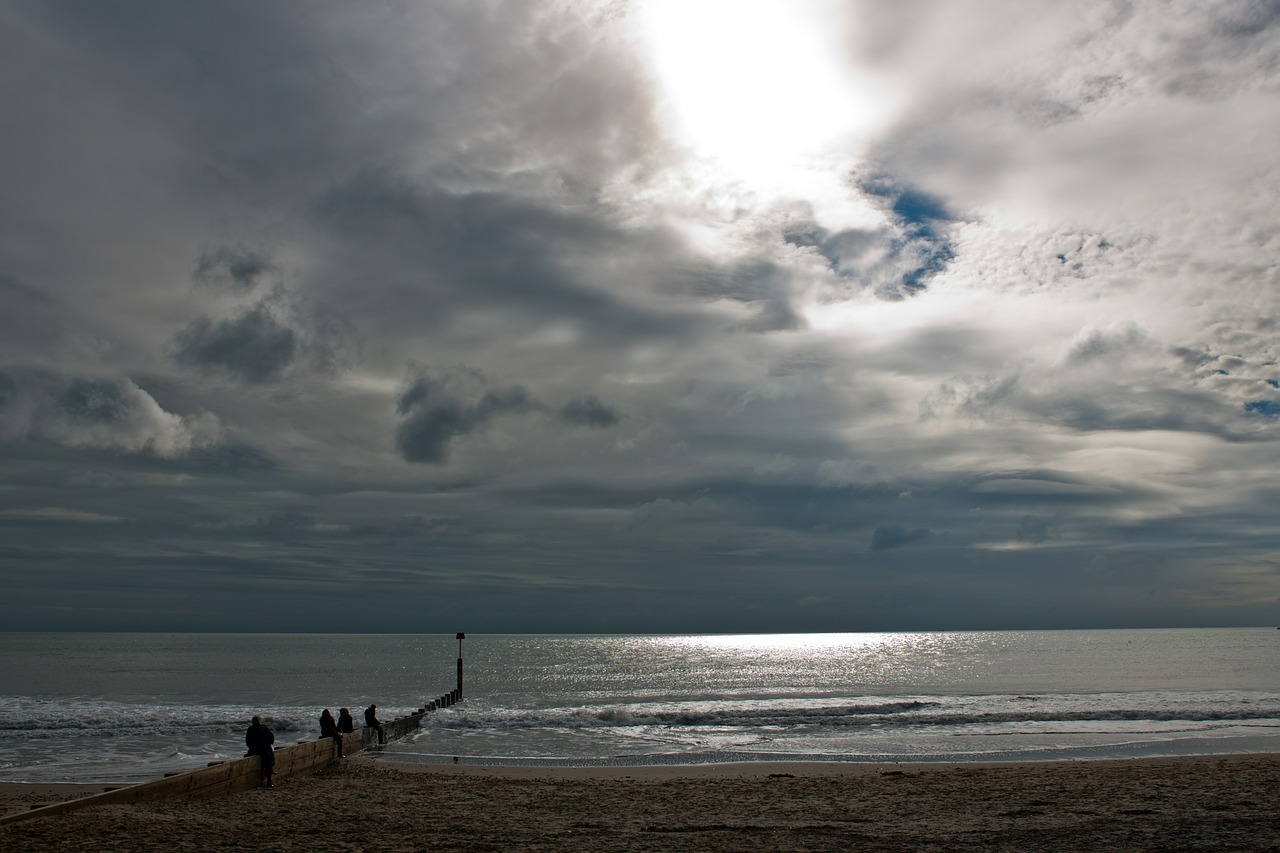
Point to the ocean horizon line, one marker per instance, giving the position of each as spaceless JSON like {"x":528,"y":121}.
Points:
{"x":665,"y":633}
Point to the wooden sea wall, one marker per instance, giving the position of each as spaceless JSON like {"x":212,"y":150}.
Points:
{"x":241,"y":774}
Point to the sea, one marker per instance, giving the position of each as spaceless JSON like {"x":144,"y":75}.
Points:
{"x":128,"y":707}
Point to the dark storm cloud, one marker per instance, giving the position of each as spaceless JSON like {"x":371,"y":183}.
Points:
{"x":434,"y":412}
{"x":889,"y":536}
{"x":237,"y":268}
{"x":252,"y":346}
{"x":517,"y":97}
{"x":93,"y":402}
{"x":1163,"y":409}
{"x":762,"y":285}
{"x":589,"y":411}
{"x":246,"y":110}
{"x":437,"y":254}
{"x":1034,"y":529}
{"x":1095,"y":405}
{"x":229,"y":457}
{"x":8,"y":390}
{"x":14,"y":291}
{"x":97,"y":412}
{"x":29,"y":317}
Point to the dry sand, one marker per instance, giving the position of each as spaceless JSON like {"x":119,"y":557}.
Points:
{"x":1209,"y":803}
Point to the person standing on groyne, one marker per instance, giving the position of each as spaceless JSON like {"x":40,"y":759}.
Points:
{"x":259,"y":739}
{"x":371,"y":720}
{"x":329,"y":728}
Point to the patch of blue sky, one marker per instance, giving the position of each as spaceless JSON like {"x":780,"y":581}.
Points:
{"x":1266,"y":408}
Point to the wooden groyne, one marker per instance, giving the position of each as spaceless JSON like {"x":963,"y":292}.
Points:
{"x":241,"y":774}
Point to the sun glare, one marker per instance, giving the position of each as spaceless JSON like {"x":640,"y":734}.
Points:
{"x":760,"y":88}
{"x":766,"y":643}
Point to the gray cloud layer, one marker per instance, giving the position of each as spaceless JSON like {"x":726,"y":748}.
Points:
{"x":436,"y":301}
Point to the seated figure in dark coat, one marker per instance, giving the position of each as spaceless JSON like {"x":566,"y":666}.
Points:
{"x":346,"y":725}
{"x":329,"y":728}
{"x":259,"y":739}
{"x":371,"y":720}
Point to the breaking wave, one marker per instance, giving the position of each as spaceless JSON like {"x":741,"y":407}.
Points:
{"x":943,"y":712}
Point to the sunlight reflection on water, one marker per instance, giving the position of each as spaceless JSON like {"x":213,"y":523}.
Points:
{"x":818,"y":659}
{"x":808,"y":643}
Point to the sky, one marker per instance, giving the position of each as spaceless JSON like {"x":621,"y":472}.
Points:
{"x":661,"y":315}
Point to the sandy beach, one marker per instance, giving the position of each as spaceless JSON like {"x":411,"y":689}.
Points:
{"x":1203,"y":803}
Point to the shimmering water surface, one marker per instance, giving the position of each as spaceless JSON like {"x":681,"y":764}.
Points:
{"x":126,"y":707}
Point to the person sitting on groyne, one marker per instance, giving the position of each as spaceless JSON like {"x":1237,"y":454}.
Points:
{"x":259,"y":739}
{"x":371,"y":720}
{"x":346,"y":725}
{"x":329,"y":728}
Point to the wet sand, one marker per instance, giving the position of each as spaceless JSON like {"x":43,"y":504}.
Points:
{"x":1202,"y":803}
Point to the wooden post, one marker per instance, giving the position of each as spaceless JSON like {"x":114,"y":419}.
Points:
{"x":461,"y":637}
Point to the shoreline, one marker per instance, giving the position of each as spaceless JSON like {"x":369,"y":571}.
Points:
{"x":1203,"y":802}
{"x":805,"y":768}
{"x":660,"y":769}
{"x":663,"y":770}
{"x":17,"y":793}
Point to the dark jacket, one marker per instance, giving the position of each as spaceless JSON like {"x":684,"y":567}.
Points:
{"x":346,"y":725}
{"x":371,"y":717}
{"x":259,"y":739}
{"x":328,"y":728}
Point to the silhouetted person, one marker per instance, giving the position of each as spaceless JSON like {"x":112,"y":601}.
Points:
{"x":329,"y":728}
{"x":259,"y":739}
{"x":371,"y":720}
{"x":346,"y":725}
